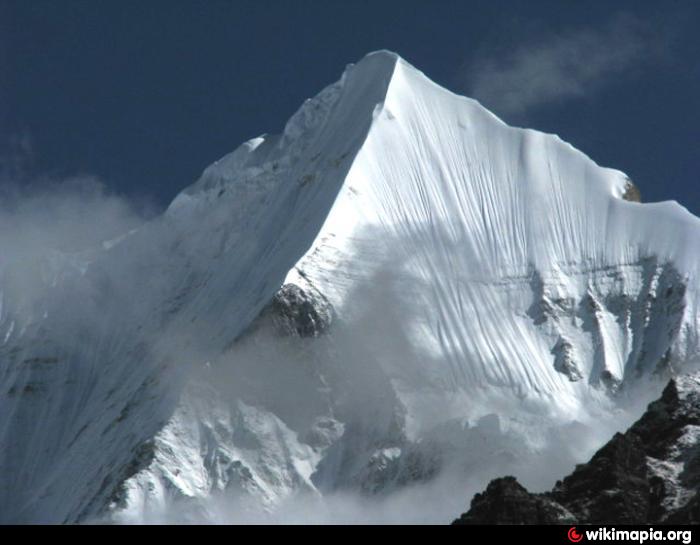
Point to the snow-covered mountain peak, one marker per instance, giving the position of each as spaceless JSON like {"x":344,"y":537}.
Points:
{"x":450,"y":281}
{"x":446,"y":197}
{"x":352,"y":102}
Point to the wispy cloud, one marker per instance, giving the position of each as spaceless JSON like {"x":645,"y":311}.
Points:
{"x":41,"y":213}
{"x":564,"y":66}
{"x":16,"y":156}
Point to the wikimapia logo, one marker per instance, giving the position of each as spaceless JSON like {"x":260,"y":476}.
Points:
{"x":573,"y":535}
{"x":638,"y":536}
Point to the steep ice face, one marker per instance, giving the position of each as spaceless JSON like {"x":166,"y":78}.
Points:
{"x":473,"y":269}
{"x":523,"y":268}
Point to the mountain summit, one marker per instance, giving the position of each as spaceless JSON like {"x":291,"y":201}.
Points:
{"x":398,"y":288}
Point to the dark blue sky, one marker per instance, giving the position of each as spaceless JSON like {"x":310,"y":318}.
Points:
{"x":146,"y":94}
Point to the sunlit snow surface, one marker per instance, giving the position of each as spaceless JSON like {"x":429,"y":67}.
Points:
{"x":499,"y":309}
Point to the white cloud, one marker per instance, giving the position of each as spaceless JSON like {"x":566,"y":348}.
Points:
{"x":44,"y":213}
{"x":69,"y":215}
{"x":562,"y":67}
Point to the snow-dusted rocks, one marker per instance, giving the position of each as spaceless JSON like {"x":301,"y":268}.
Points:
{"x":648,"y":475}
{"x":466,"y":292}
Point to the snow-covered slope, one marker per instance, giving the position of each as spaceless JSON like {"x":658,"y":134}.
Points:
{"x":524,"y":268}
{"x":474,"y":269}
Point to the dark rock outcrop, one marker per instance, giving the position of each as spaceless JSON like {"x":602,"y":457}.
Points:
{"x":300,"y":312}
{"x":294,"y":312}
{"x":506,"y":501}
{"x":632,"y":192}
{"x":648,"y":475}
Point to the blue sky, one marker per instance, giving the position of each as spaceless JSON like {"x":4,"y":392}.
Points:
{"x":144,"y":95}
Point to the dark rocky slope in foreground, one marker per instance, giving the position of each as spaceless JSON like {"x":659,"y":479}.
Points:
{"x":648,"y":475}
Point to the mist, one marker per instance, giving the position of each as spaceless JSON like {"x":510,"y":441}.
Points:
{"x":68,"y":215}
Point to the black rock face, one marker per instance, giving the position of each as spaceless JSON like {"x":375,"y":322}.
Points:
{"x":632,"y":192}
{"x":299,"y":312}
{"x":506,"y":501}
{"x":648,"y":475}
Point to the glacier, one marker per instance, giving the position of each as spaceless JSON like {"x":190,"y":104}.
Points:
{"x":474,"y":296}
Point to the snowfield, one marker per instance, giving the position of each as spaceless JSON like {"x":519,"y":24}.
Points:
{"x":477,"y":300}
